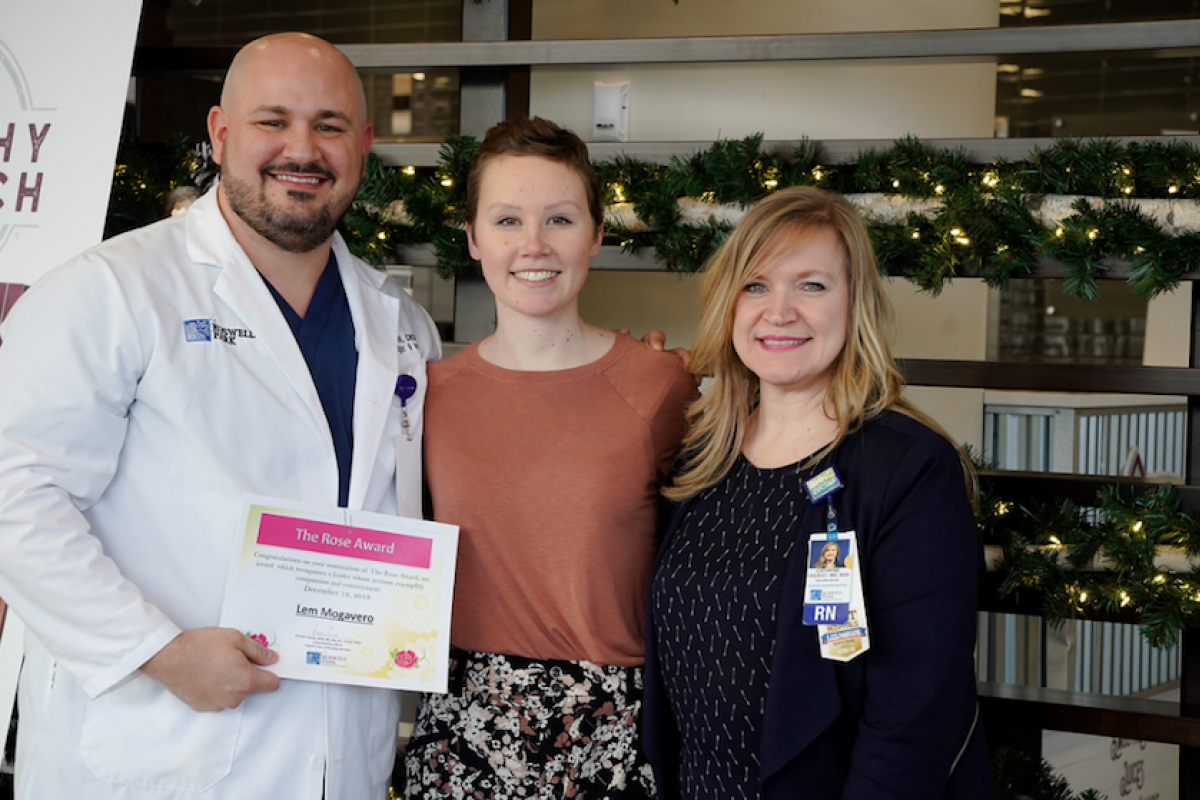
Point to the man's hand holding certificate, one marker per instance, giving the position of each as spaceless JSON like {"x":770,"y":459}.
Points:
{"x":345,"y":596}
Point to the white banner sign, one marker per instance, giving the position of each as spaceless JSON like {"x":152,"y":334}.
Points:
{"x":64,"y":76}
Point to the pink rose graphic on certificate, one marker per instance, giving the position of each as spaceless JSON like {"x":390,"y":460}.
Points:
{"x":405,"y":659}
{"x":265,"y":639}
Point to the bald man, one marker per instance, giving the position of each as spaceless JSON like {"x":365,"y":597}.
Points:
{"x":148,"y":384}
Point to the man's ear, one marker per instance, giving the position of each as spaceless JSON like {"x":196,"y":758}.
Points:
{"x":218,"y":128}
{"x":368,"y":137}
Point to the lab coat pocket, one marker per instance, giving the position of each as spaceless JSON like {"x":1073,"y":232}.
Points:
{"x":140,"y":734}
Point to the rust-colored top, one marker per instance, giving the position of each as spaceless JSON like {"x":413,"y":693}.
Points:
{"x":553,"y":480}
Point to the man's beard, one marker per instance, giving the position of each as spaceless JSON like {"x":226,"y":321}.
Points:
{"x":296,"y":231}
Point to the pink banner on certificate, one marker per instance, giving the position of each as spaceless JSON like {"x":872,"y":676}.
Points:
{"x":338,"y":540}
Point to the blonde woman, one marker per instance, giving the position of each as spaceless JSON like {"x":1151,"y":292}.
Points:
{"x":743,"y":698}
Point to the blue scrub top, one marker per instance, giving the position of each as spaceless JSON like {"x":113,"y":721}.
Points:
{"x":326,"y":338}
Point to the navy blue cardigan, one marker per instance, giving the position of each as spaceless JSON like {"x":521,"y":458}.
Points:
{"x":899,"y":722}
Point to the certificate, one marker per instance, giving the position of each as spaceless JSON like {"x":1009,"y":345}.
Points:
{"x":344,"y":596}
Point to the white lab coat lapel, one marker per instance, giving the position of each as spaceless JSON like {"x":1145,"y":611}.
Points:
{"x":241,"y":288}
{"x":375,"y":317}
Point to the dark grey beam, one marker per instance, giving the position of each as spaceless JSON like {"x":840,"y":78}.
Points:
{"x":1052,"y":377}
{"x":1175,"y":38}
{"x":1154,"y":37}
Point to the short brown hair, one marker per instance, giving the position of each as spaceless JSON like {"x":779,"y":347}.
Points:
{"x":522,"y":136}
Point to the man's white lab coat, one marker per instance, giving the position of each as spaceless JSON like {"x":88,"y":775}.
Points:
{"x":144,"y":387}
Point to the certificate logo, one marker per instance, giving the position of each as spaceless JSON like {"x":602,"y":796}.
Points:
{"x":312,"y":657}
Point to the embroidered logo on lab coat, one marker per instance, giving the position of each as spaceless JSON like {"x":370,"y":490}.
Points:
{"x":206,"y":330}
{"x":407,"y":343}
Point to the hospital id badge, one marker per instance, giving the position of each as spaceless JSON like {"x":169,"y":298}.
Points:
{"x":829,"y":584}
{"x":850,"y":638}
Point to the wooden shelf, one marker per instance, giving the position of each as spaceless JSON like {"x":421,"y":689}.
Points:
{"x":1052,"y":377}
{"x":1095,"y":714}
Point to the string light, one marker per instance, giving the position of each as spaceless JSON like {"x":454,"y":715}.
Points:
{"x":447,"y":182}
{"x":409,"y":170}
{"x":1137,"y":526}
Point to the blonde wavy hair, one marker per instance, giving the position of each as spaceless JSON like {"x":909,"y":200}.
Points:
{"x":865,"y":380}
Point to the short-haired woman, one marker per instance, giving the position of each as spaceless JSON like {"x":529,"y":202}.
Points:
{"x":546,"y":443}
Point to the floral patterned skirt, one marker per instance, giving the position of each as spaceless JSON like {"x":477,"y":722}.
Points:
{"x":515,"y":727}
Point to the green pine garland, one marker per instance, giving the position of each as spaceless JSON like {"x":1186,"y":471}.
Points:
{"x":985,"y":227}
{"x":1019,"y":776}
{"x":143,"y":177}
{"x":1122,"y":530}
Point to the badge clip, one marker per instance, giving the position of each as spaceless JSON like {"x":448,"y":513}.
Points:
{"x":406,"y":387}
{"x":822,"y":487}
